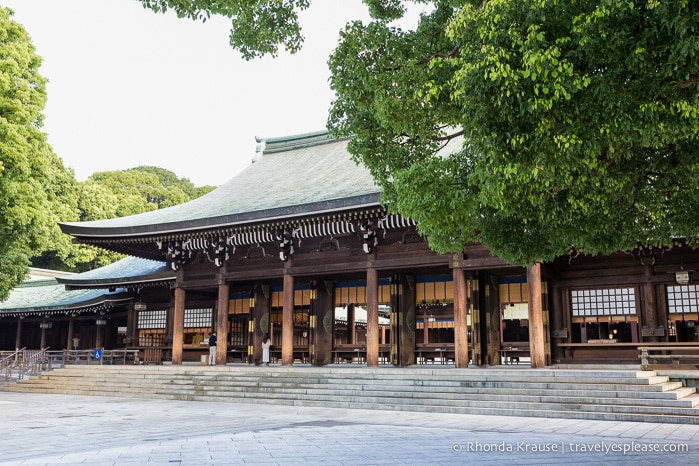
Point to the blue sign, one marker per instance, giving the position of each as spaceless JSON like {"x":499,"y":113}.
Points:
{"x":98,"y":354}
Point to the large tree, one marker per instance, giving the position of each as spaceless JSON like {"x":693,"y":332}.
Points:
{"x":173,"y":184}
{"x":580,"y":122}
{"x":146,"y":188}
{"x":579,"y":118}
{"x":70,"y":201}
{"x":24,"y":154}
{"x":103,"y":195}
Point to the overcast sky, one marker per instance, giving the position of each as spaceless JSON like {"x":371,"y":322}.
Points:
{"x":130,"y":87}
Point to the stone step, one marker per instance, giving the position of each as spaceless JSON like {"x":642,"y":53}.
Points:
{"x":379,"y":398}
{"x":670,"y":390}
{"x":604,"y":413}
{"x":613,"y":394}
{"x":365,"y":373}
{"x":403,"y":385}
{"x":560,"y":396}
{"x":510,"y":401}
{"x":321,"y":391}
{"x":456,"y":375}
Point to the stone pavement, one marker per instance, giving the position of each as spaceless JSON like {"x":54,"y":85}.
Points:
{"x":67,"y":430}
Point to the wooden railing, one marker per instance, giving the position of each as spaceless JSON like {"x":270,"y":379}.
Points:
{"x":669,"y":354}
{"x":9,"y":362}
{"x":511,"y":351}
{"x":348,"y":353}
{"x":96,"y":356}
{"x":152,"y":355}
{"x":23,"y":362}
{"x":434,"y":353}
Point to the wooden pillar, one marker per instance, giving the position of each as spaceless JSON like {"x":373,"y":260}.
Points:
{"x":395,"y":318}
{"x":561,"y":329}
{"x":259,"y":322}
{"x":288,"y":321}
{"x":426,"y":328}
{"x":408,"y":304}
{"x":372,"y":317}
{"x":634,"y":332}
{"x":403,"y":295}
{"x":132,"y":326}
{"x":476,"y":309}
{"x":649,"y":308}
{"x":460,"y":319}
{"x":546,"y":333}
{"x":71,"y":328}
{"x":493,"y":326}
{"x":18,"y":337}
{"x":170,"y":321}
{"x":351,"y":325}
{"x":42,"y":345}
{"x":178,"y":327}
{"x":99,"y":332}
{"x":222,"y":324}
{"x":536,"y":322}
{"x":321,"y":322}
{"x":661,"y":315}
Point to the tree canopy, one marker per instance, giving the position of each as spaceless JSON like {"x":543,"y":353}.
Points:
{"x":37,"y":191}
{"x":24,"y":154}
{"x":258,"y":27}
{"x":578,"y":119}
{"x":103,"y":195}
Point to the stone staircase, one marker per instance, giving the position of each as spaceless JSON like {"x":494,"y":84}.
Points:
{"x":620,"y":395}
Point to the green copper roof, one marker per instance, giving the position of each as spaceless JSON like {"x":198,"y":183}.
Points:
{"x":291,"y":177}
{"x":47,"y":296}
{"x":127,"y":271}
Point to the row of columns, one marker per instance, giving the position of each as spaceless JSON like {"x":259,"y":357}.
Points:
{"x":322,"y":305}
{"x":69,"y":342}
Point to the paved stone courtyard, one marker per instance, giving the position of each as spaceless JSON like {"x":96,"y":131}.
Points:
{"x":66,"y":430}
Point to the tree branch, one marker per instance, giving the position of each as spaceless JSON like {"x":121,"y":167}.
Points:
{"x":449,"y":54}
{"x":689,"y":83}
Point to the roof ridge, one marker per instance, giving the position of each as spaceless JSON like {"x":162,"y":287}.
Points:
{"x":44,"y":281}
{"x":298,"y":141}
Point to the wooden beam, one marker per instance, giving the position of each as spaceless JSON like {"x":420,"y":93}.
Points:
{"x":480,"y":263}
{"x":360,"y":266}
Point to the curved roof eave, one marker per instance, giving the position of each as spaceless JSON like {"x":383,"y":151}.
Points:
{"x":127,"y":272}
{"x":84,"y":306}
{"x":103,"y":230}
{"x":50,"y":297}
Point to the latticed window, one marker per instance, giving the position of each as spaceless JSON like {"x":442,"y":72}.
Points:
{"x":152,"y":319}
{"x":196,"y":318}
{"x":151,"y":327}
{"x":682,"y":299}
{"x":603,"y":302}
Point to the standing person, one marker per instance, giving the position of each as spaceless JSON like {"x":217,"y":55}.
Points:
{"x":212,"y":349}
{"x":266,"y":343}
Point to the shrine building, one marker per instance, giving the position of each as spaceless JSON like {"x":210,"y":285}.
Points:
{"x":298,"y":247}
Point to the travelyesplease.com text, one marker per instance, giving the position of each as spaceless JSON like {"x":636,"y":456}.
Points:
{"x":569,"y":447}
